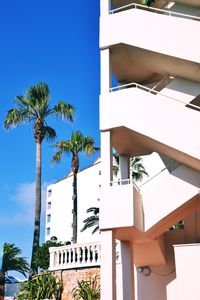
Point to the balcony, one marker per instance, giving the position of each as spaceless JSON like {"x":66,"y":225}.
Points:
{"x":147,"y":121}
{"x":74,"y":256}
{"x":121,"y":206}
{"x":135,"y":45}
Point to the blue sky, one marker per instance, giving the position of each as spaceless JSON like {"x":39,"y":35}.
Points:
{"x":55,"y":42}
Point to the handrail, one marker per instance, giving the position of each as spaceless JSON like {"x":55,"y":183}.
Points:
{"x":129,"y":181}
{"x":166,"y":168}
{"x":124,"y":182}
{"x":154,"y":176}
{"x":165,"y":78}
{"x":156,"y":10}
{"x":142,"y":87}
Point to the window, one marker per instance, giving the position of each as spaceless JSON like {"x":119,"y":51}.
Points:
{"x":48,"y":231}
{"x":48,"y":218}
{"x":49,"y":205}
{"x":49,"y":193}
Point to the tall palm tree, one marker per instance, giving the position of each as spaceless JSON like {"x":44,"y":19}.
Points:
{"x":75,"y":145}
{"x":34,"y":107}
{"x":11,"y":261}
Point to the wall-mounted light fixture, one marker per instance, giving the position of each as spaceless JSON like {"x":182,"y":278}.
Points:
{"x":146,"y":271}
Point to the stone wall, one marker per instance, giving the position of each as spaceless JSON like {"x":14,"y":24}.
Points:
{"x":70,"y":278}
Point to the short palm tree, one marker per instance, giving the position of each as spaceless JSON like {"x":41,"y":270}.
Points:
{"x":93,"y":220}
{"x":34,"y":107}
{"x":75,"y":145}
{"x":11,"y":261}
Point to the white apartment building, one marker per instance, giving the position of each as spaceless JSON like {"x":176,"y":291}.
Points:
{"x":154,"y":54}
{"x":59,"y":204}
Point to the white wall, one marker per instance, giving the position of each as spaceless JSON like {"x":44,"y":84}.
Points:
{"x":166,"y":118}
{"x":169,"y":39}
{"x":89,"y":185}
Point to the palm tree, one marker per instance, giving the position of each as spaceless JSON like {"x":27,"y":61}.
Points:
{"x":92,"y":220}
{"x":75,"y":145}
{"x":12,"y":261}
{"x":34,"y":107}
{"x":137,"y":169}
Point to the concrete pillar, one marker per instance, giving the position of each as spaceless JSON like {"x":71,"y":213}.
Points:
{"x":127,"y":271}
{"x":124,"y":167}
{"x":108,"y":266}
{"x":105,"y":71}
{"x":105,"y":7}
{"x":106,"y":158}
{"x":190,"y":229}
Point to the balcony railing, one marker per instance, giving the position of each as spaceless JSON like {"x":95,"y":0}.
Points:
{"x":154,"y":92}
{"x":74,"y":256}
{"x":123,"y":182}
{"x":155,"y":10}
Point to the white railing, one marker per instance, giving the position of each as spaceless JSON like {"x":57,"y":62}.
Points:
{"x":74,"y":256}
{"x":123,"y":182}
{"x":152,"y":91}
{"x":155,"y":10}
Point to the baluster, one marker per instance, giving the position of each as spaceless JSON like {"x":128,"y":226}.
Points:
{"x":74,"y":255}
{"x":56,"y":259}
{"x":70,"y":256}
{"x":84,"y":255}
{"x":99,"y":253}
{"x":93,"y":254}
{"x":78,"y":253}
{"x":59,"y":258}
{"x":64,"y":255}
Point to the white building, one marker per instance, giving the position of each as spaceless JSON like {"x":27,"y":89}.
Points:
{"x":154,"y":54}
{"x":59,"y":204}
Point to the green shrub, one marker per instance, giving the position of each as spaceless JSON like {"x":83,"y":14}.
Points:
{"x":40,"y":287}
{"x":87,"y":290}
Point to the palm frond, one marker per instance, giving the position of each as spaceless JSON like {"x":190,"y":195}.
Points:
{"x":39,"y":95}
{"x":137,"y":168}
{"x":116,"y":156}
{"x":89,"y":145}
{"x":57,"y":157}
{"x":50,"y":133}
{"x":12,"y":261}
{"x":95,"y":210}
{"x":14,"y":117}
{"x":92,"y":220}
{"x":65,"y":110}
{"x":115,"y":170}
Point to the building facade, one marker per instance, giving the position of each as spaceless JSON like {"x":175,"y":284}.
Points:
{"x":59,"y":204}
{"x":154,"y":54}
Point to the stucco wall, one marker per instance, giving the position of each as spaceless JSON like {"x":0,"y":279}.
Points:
{"x":70,"y":278}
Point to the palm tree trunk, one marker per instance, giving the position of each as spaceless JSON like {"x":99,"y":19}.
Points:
{"x":2,"y":285}
{"x":75,"y":209}
{"x":36,"y":233}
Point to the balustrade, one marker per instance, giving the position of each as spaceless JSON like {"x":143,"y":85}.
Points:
{"x":74,"y":256}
